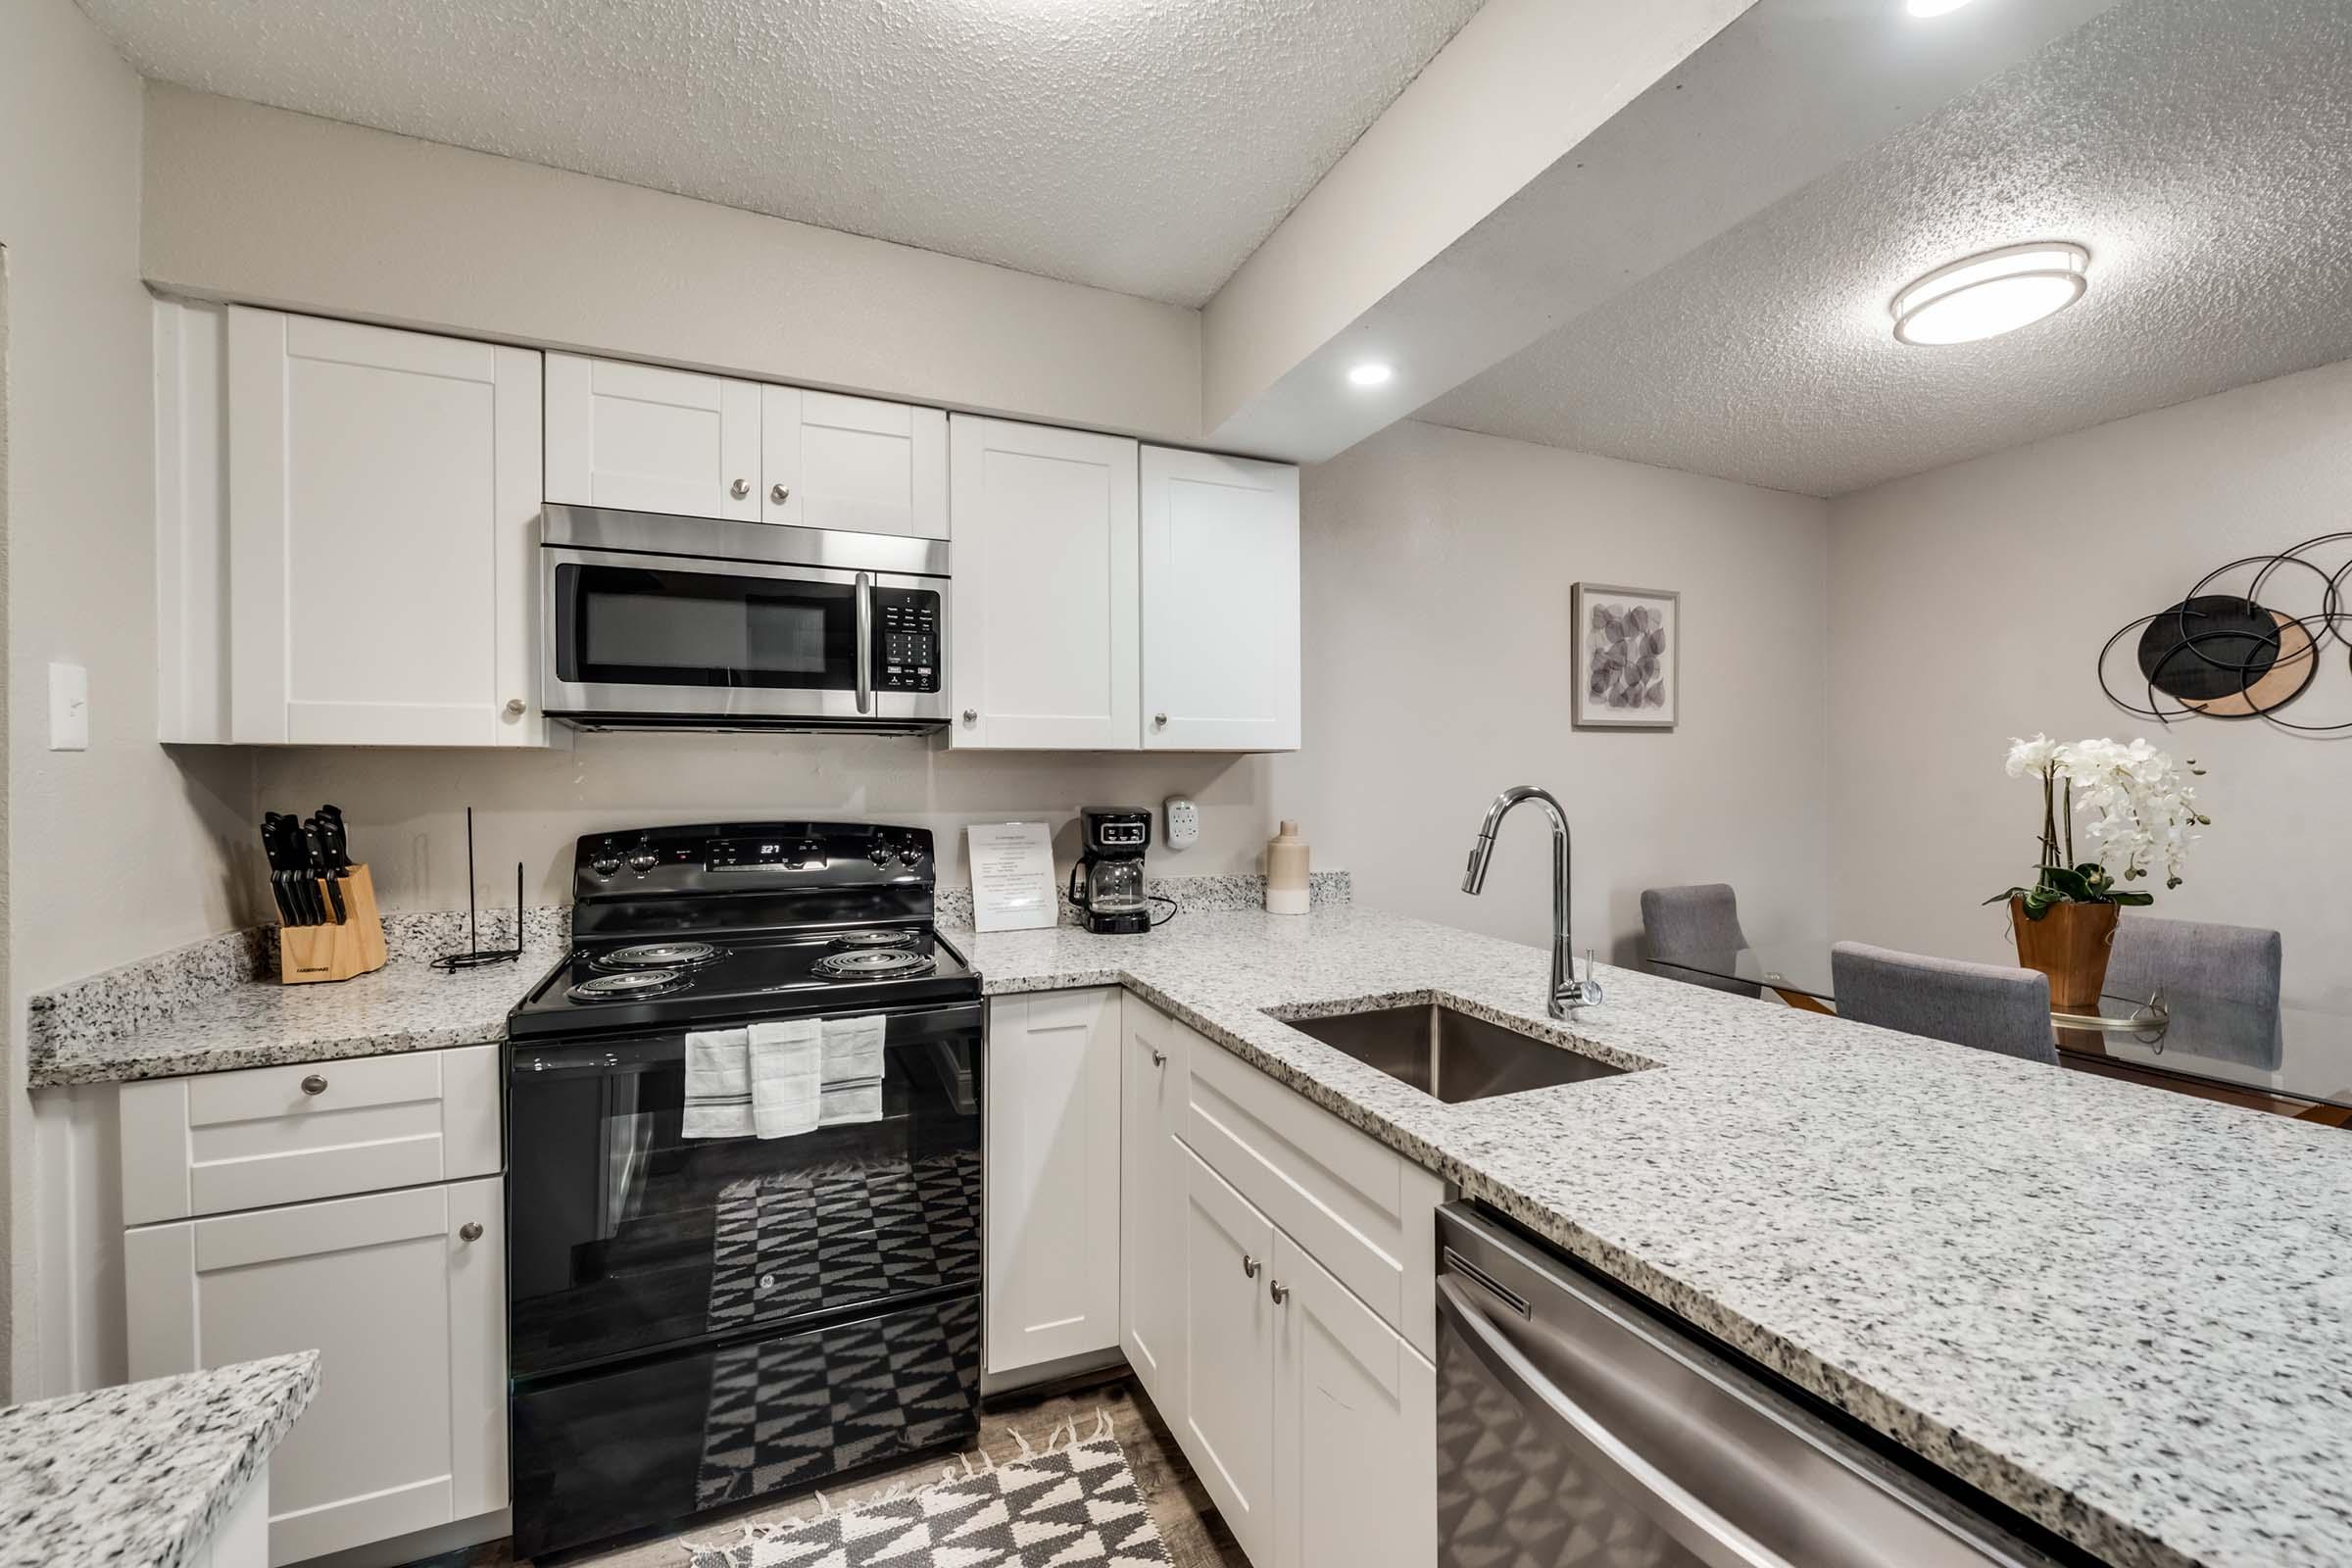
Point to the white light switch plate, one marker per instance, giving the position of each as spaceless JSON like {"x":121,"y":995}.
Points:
{"x":1183,"y":822}
{"x":68,"y":707}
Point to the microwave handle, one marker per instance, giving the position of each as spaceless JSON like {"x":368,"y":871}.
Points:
{"x":865,"y":643}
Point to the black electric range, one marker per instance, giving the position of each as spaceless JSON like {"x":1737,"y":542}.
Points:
{"x":697,"y":1321}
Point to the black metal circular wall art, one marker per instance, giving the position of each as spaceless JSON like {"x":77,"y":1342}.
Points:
{"x":2247,"y":639}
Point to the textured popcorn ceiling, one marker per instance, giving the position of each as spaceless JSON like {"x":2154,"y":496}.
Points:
{"x":2202,"y":149}
{"x":1139,"y":145}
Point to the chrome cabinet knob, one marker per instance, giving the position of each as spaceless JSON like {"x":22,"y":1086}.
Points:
{"x":779,"y":494}
{"x":972,"y":715}
{"x":1279,"y":1291}
{"x":1161,"y":720}
{"x":740,"y":488}
{"x":517,"y":708}
{"x":314,"y":1084}
{"x":470,"y":1231}
{"x":1160,"y":1058}
{"x":1249,"y":1265}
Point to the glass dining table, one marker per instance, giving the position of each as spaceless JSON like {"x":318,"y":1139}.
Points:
{"x":2290,"y":1060}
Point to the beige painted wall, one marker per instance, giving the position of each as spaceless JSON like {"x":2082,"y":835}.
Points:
{"x":113,"y":852}
{"x":274,"y":208}
{"x":406,"y":809}
{"x":1438,"y":566}
{"x":1969,"y":606}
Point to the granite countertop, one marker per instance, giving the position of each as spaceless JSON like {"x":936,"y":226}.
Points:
{"x":406,"y":1006}
{"x":145,"y":1472}
{"x":2125,"y":1312}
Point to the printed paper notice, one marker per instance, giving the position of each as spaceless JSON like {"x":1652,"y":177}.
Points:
{"x":1012,"y":877}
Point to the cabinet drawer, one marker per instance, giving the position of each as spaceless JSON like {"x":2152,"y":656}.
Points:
{"x":230,"y":1141}
{"x":1362,"y":1210}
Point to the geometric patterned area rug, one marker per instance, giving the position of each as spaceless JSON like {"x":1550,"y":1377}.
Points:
{"x":1073,"y":1505}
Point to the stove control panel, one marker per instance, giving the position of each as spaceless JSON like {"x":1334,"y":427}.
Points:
{"x":781,"y":852}
{"x":906,"y":640}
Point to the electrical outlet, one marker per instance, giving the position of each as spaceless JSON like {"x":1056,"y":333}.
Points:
{"x":68,"y":707}
{"x":1183,"y":822}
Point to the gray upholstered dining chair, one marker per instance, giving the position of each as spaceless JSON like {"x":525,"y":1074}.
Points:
{"x":1979,"y":1004}
{"x":1700,"y":923}
{"x":2220,"y":982}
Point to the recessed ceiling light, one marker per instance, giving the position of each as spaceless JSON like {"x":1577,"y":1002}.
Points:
{"x":1932,"y":8}
{"x":1370,"y":374}
{"x":1984,"y":296}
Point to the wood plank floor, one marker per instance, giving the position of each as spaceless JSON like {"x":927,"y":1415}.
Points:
{"x":1188,"y":1522}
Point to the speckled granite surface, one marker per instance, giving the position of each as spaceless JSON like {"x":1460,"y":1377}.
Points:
{"x":1194,"y":895}
{"x":2126,"y":1312}
{"x":406,"y":1006}
{"x":142,"y":1473}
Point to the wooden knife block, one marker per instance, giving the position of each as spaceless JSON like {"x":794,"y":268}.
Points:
{"x":331,"y":952}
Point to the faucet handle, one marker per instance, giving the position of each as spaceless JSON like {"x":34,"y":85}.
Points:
{"x":1590,"y":992}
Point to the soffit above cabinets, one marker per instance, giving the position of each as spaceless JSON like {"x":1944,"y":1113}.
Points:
{"x":1131,"y":145}
{"x":2202,"y":154}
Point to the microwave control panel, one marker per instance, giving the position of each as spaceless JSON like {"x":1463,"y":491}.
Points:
{"x":906,"y":640}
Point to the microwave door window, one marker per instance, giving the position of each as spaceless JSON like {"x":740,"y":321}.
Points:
{"x":674,"y":628}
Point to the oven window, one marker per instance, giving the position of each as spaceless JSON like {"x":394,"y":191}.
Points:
{"x":624,"y":1235}
{"x":690,"y":628}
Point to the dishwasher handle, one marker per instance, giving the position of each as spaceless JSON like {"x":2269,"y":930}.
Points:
{"x":1697,"y":1527}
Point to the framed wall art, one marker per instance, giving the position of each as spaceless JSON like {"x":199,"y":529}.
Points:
{"x":1628,"y":656}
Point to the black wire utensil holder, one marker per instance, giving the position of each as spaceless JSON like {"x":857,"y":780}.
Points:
{"x":476,"y":957}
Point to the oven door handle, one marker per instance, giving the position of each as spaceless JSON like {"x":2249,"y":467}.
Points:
{"x":865,"y":643}
{"x":1698,"y":1529}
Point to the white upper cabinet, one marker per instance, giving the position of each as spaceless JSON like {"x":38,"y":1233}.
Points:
{"x":642,"y":439}
{"x":380,"y":493}
{"x":832,"y":461}
{"x":1044,"y":645}
{"x":1220,"y":586}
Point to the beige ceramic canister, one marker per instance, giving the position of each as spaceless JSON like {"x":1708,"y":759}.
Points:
{"x":1286,"y":872}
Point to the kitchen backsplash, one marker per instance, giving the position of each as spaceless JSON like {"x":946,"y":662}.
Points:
{"x":1194,"y":895}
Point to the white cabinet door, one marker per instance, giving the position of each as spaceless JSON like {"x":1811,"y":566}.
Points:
{"x":1355,"y":1462}
{"x":646,"y":439}
{"x":1053,"y":1177}
{"x":404,"y":1295}
{"x":1045,"y":614}
{"x":1227,"y":1425}
{"x":833,"y":462}
{"x":1151,"y":1201}
{"x":1220,"y":597}
{"x":381,"y":491}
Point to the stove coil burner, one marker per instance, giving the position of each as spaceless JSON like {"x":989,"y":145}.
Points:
{"x":874,"y":963}
{"x":629,"y":986}
{"x":874,"y":939}
{"x":659,"y":956}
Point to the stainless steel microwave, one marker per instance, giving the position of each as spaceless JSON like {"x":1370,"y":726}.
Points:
{"x":659,"y":622}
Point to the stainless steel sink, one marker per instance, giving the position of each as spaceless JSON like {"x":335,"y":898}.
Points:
{"x":1450,"y":1055}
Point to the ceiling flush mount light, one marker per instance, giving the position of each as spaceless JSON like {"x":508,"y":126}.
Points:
{"x":1998,"y":291}
{"x":1370,"y":374}
{"x":1932,"y":8}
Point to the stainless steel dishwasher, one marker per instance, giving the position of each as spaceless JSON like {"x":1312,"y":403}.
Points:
{"x":1576,"y":1429}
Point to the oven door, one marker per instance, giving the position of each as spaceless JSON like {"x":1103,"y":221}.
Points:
{"x":625,"y":1239}
{"x":648,"y":636}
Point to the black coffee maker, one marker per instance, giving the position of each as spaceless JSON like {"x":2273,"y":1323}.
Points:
{"x":1107,"y":882}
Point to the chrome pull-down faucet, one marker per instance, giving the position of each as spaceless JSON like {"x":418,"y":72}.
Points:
{"x":1565,"y":991}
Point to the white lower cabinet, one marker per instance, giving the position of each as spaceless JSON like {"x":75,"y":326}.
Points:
{"x":404,"y":1295}
{"x":1151,"y":1201}
{"x":1052,"y":1132}
{"x":1308,"y":1415}
{"x":1227,"y":1430}
{"x":1355,"y":1468}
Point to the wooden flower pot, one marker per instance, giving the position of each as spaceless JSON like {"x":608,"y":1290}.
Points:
{"x":2071,"y":943}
